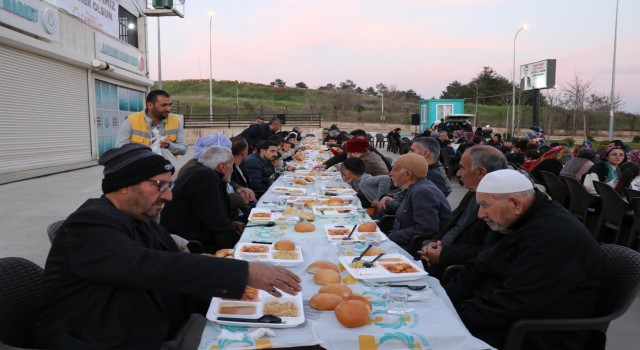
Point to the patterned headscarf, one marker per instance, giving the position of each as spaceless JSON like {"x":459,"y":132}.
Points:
{"x":634,"y":156}
{"x":561,"y":153}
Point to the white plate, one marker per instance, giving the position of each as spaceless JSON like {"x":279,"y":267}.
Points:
{"x":266,"y":256}
{"x":292,"y":191}
{"x":326,"y":210}
{"x":289,"y":322}
{"x":380,"y":274}
{"x":341,"y":191}
{"x":271,"y":217}
{"x":356,"y":237}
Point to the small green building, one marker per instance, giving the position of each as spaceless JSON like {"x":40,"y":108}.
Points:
{"x":436,"y":109}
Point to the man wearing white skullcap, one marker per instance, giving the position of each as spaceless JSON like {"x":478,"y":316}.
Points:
{"x":542,"y":263}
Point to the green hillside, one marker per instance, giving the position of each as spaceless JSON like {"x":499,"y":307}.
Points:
{"x":192,"y":98}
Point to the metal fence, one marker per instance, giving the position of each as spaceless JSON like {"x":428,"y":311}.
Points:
{"x":235,"y":121}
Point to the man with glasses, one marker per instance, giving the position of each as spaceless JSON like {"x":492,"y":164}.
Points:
{"x":140,"y":127}
{"x":200,"y":209}
{"x":114,"y":278}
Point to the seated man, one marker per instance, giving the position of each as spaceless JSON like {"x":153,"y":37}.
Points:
{"x":369,"y":187}
{"x":540,"y":263}
{"x":259,"y":166}
{"x":339,"y":158}
{"x":424,"y":210}
{"x":114,"y":278}
{"x":429,"y":148}
{"x":200,"y":208}
{"x":463,"y":237}
{"x":359,"y":147}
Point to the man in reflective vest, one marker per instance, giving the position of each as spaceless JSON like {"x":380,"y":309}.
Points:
{"x":138,"y":127}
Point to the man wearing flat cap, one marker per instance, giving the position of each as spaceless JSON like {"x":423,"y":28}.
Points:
{"x":424,"y":209}
{"x":539,"y":263}
{"x":359,"y":147}
{"x":114,"y":278}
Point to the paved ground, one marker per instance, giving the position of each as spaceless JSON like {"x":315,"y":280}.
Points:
{"x":29,"y":206}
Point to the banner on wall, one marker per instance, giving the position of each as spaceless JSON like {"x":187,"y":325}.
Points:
{"x":99,"y":14}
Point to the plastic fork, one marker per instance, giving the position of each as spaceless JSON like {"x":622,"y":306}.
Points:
{"x":369,"y":264}
{"x":358,"y":258}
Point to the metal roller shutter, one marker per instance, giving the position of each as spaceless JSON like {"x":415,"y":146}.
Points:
{"x":44,"y":112}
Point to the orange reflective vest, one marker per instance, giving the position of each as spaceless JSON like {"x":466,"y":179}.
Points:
{"x":140,"y":129}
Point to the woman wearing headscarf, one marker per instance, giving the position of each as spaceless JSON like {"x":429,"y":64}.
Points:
{"x":552,"y":161}
{"x":607,"y":169}
{"x":579,"y":165}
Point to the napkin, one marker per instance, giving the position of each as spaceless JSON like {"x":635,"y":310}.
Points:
{"x":260,"y":332}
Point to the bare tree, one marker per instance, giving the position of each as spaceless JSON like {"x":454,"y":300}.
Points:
{"x":553,"y":100}
{"x":574,"y":97}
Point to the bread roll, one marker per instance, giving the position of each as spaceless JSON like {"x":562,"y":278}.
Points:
{"x":361,"y":298}
{"x":324,"y":277}
{"x":307,"y":216}
{"x":284,"y":244}
{"x":309,"y":178}
{"x":312,"y":203}
{"x":374,"y":252}
{"x":321,"y":265}
{"x":289,"y":211}
{"x":338,"y":289}
{"x":304,"y":227}
{"x":367,"y":227}
{"x":352,"y":313}
{"x":300,"y":181}
{"x":325,"y":301}
{"x":223,"y":253}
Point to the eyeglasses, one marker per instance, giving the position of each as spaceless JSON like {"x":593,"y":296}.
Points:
{"x":162,"y":185}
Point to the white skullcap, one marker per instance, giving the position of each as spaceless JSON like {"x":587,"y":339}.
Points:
{"x":504,"y":181}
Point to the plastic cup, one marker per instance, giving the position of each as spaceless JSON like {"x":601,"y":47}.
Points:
{"x":397,"y":300}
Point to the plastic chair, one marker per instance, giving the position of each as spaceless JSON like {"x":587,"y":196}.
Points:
{"x":582,"y":204}
{"x":380,"y":141}
{"x":635,"y":229}
{"x":370,"y":139}
{"x":20,"y":301}
{"x":630,"y":194}
{"x":614,"y":214}
{"x":618,"y":289}
{"x":556,"y":189}
{"x":52,"y":230}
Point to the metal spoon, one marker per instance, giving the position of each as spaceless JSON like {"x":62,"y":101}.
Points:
{"x":351,"y":233}
{"x":266,"y":224}
{"x":407,"y":286}
{"x":263,"y":319}
{"x":358,"y":258}
{"x":369,"y":264}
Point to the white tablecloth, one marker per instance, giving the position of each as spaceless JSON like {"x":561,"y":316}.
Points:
{"x":433,"y":324}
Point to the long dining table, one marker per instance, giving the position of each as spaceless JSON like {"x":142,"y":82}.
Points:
{"x":431,"y":322}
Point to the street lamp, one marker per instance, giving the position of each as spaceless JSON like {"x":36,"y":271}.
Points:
{"x":210,"y":71}
{"x":613,"y":78}
{"x":513,"y":95}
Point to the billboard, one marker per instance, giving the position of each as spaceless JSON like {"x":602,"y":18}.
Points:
{"x":538,"y":75}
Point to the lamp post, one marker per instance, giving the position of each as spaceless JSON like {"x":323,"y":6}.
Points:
{"x":513,"y":95}
{"x":159,"y":59}
{"x":210,"y":71}
{"x":613,"y":78}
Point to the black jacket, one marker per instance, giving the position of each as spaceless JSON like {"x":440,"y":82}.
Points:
{"x":256,"y":133}
{"x":549,"y":266}
{"x":259,"y":173}
{"x":111,"y":282}
{"x":200,"y":209}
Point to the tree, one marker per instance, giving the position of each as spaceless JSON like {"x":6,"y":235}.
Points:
{"x":381,"y":88}
{"x":302,"y":85}
{"x":574,"y":98}
{"x":456,"y":89}
{"x":370,"y":91}
{"x":328,"y":87}
{"x":278,"y":83}
{"x":348,"y":85}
